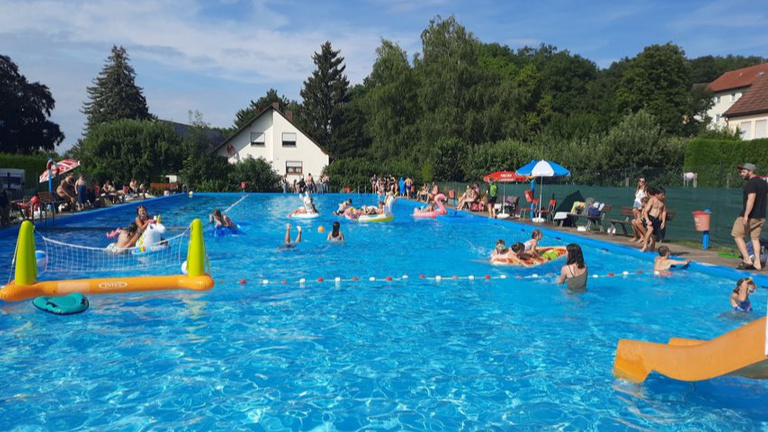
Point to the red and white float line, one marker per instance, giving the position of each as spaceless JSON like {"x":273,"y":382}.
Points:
{"x":437,"y":278}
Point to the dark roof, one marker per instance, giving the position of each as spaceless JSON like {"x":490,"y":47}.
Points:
{"x":247,"y":125}
{"x":215,"y":137}
{"x":738,"y":78}
{"x":754,"y":100}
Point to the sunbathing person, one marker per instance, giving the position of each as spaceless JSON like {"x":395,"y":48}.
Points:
{"x":663,"y":263}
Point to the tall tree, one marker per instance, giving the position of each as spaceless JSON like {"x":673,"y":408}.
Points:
{"x":115,"y":95}
{"x":24,"y":111}
{"x":126,"y":149}
{"x":324,"y":94}
{"x":391,"y":103}
{"x":247,"y":114}
{"x":449,"y":77}
{"x":657,"y":80}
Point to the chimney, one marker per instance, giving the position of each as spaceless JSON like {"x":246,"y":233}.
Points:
{"x":276,"y":106}
{"x":289,"y":115}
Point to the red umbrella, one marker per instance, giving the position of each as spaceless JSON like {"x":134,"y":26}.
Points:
{"x":59,"y":168}
{"x":505,"y":177}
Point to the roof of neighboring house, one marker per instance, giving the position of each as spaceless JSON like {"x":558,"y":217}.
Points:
{"x":754,"y":100}
{"x":264,"y":111}
{"x":738,"y":78}
{"x":214,"y":137}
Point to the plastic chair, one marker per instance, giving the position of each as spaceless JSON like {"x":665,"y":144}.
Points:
{"x":549,"y":211}
{"x":529,"y":198}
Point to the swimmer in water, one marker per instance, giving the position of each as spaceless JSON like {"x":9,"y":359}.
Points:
{"x":336,"y":235}
{"x":288,"y":243}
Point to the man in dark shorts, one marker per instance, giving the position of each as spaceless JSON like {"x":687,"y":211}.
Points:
{"x":750,"y":222}
{"x":493,"y":194}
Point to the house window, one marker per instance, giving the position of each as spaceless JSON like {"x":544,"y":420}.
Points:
{"x":289,"y":139}
{"x":257,"y":139}
{"x":733,"y":97}
{"x":293,"y":167}
{"x":718,"y":117}
{"x":745,"y":128}
{"x":717,"y":99}
{"x":761,"y":129}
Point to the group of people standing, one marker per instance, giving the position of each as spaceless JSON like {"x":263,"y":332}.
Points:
{"x":306,"y":185}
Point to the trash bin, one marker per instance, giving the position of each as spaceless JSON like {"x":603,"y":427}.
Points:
{"x":701,"y":220}
{"x":348,"y":189}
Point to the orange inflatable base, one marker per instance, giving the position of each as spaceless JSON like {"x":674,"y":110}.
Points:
{"x":13,"y":292}
{"x":740,"y":352}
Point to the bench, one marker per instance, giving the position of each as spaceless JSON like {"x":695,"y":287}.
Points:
{"x":596,"y":221}
{"x":162,"y":187}
{"x":629,"y":216}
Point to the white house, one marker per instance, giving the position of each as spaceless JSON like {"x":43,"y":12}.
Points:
{"x":728,"y":88}
{"x":749,"y":115}
{"x":273,"y":136}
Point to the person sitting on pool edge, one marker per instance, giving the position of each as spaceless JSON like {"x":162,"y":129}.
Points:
{"x":288,"y":243}
{"x":740,"y":295}
{"x":335,"y":235}
{"x":663,"y":263}
{"x":574,"y":272}
{"x":221,"y":220}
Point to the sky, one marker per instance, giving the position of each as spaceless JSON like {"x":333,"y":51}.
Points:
{"x":215,"y":56}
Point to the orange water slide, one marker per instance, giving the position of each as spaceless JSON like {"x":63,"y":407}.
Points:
{"x":739,"y":352}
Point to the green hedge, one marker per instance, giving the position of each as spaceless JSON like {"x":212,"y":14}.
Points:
{"x":715,"y":160}
{"x":32,"y":164}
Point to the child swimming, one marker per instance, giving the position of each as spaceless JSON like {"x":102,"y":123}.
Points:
{"x":740,"y":295}
{"x":663,"y":263}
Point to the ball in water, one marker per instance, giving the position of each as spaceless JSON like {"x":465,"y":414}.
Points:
{"x":320,"y":229}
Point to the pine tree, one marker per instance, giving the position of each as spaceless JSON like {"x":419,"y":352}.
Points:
{"x":325,"y":93}
{"x":115,"y":95}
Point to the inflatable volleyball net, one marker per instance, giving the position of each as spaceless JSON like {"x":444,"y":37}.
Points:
{"x":60,"y":256}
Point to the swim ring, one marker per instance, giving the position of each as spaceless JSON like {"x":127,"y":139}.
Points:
{"x":547,"y":254}
{"x":64,"y":305}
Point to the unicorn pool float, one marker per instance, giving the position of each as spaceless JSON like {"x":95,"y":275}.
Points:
{"x":440,"y":211}
{"x":385,"y":216}
{"x":307,"y":211}
{"x":151,"y":240}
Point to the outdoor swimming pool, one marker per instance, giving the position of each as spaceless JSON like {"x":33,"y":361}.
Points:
{"x":406,"y":354}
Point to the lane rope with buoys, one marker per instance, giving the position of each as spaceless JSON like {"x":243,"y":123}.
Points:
{"x":436,"y":278}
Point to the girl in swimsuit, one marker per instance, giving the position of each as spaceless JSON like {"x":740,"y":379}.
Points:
{"x":574,"y":272}
{"x":142,"y":218}
{"x":740,"y":295}
{"x":335,"y":235}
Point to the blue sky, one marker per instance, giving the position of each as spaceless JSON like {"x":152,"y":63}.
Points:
{"x":215,"y":56}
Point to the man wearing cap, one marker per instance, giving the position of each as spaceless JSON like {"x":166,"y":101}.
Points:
{"x":750,"y":222}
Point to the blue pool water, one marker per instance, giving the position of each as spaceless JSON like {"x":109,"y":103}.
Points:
{"x":407,"y":354}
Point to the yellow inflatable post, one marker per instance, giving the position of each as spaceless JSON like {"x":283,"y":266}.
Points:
{"x":196,"y":251}
{"x":26,"y":264}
